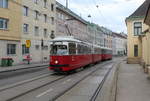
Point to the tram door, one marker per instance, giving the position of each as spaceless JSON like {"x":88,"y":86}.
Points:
{"x":72,"y":53}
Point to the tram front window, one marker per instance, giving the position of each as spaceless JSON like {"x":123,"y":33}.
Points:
{"x":59,"y":50}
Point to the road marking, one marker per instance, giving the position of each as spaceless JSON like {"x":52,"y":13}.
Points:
{"x":23,"y":82}
{"x":68,"y":80}
{"x":64,"y":82}
{"x":49,"y":90}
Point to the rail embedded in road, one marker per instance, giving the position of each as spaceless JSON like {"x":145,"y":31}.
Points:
{"x":59,"y":87}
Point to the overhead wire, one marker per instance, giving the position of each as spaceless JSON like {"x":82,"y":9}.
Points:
{"x":100,"y":12}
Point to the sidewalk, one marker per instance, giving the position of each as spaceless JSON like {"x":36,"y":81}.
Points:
{"x":23,"y":66}
{"x":133,"y":84}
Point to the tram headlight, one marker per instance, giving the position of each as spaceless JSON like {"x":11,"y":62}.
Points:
{"x":56,"y":62}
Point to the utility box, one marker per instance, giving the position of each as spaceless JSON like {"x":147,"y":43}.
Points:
{"x":9,"y":61}
{"x":4,"y":62}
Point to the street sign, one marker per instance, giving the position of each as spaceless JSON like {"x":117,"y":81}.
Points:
{"x":28,"y":43}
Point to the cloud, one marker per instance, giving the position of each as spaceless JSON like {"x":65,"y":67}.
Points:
{"x":110,"y":13}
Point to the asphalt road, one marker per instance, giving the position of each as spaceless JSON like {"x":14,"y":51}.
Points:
{"x":50,"y":92}
{"x":14,"y":77}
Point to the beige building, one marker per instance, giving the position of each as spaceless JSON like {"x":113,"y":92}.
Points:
{"x":10,"y":29}
{"x":135,"y":28}
{"x":146,"y":42}
{"x":38,"y":23}
{"x":22,"y":20}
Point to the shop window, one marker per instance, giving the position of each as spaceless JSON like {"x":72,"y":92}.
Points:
{"x":25,"y":50}
{"x":11,"y":49}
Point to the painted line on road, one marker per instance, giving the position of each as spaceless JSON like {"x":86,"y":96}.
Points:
{"x":23,"y":82}
{"x":64,"y":82}
{"x":68,"y":80}
{"x":49,"y":90}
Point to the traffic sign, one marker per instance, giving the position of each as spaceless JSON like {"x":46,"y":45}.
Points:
{"x":28,"y":43}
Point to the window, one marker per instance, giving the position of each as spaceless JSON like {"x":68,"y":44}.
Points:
{"x":45,"y":18}
{"x":137,"y":28}
{"x":11,"y":49}
{"x":37,"y":47}
{"x":36,"y":30}
{"x":36,"y":15}
{"x":45,"y":33}
{"x":58,"y":49}
{"x":4,"y":3}
{"x":72,"y":48}
{"x":25,"y":10}
{"x":45,"y":48}
{"x":135,"y":50}
{"x":52,"y":7}
{"x":25,"y":50}
{"x":25,"y":28}
{"x":36,"y":1}
{"x":3,"y":23}
{"x":45,"y":3}
{"x":52,"y":35}
{"x":52,"y":20}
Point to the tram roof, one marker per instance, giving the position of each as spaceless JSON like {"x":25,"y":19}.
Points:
{"x":106,"y":48}
{"x":65,"y":38}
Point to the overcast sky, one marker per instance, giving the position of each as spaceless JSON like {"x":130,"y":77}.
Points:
{"x":107,"y":13}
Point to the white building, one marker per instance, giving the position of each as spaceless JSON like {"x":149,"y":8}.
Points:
{"x":119,"y":44}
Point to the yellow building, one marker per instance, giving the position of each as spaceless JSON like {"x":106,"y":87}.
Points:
{"x":146,"y":41}
{"x":22,"y":20}
{"x":135,"y":29}
{"x":10,"y":29}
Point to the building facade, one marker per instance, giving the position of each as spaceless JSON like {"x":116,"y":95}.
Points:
{"x":26,"y":20}
{"x":70,"y":24}
{"x":135,"y":27}
{"x":119,"y":44}
{"x":10,"y":29}
{"x":38,"y":23}
{"x":100,"y":35}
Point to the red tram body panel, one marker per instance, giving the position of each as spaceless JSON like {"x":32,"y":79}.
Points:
{"x":70,"y":54}
{"x":70,"y":62}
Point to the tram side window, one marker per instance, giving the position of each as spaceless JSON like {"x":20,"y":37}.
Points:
{"x":72,"y":48}
{"x":79,"y":47}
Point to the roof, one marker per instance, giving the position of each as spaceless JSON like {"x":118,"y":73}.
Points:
{"x":141,"y":11}
{"x":65,"y":38}
{"x":69,"y":12}
{"x":119,"y":35}
{"x":147,"y":17}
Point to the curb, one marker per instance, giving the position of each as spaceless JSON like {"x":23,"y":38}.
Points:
{"x":17,"y":69}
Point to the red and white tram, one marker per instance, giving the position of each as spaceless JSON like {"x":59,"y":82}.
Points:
{"x":69,"y":54}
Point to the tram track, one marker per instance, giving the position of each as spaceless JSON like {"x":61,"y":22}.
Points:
{"x":93,"y":98}
{"x":14,"y":73}
{"x":98,"y":89}
{"x":27,"y":86}
{"x":40,"y":82}
{"x":23,"y":82}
